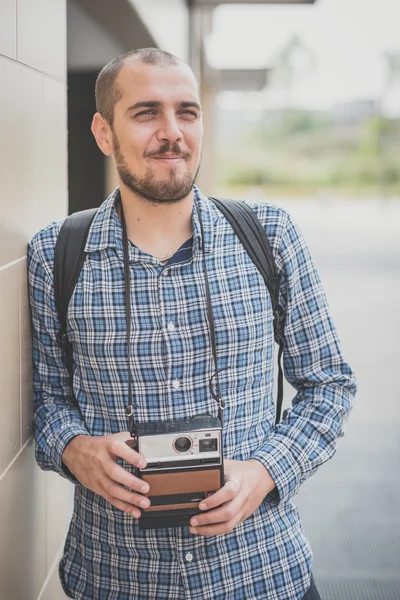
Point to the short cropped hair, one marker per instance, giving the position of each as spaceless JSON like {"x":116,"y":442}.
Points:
{"x":106,"y":90}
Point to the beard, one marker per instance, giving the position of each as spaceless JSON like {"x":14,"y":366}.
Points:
{"x":169,"y":191}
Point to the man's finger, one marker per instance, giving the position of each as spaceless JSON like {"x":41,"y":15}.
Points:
{"x":221,"y":514}
{"x":117,"y":473}
{"x":120,"y":493}
{"x":226,"y":493}
{"x":127,"y":508}
{"x":120,"y":448}
{"x":215,"y":528}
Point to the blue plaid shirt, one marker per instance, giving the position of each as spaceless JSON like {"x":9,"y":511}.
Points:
{"x":267,"y":556}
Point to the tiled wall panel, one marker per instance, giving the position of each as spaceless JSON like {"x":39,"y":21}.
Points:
{"x":41,"y":41}
{"x":22,"y":529}
{"x":8,"y":28}
{"x":59,"y":495}
{"x":11,"y":245}
{"x":26,"y":383}
{"x":33,"y":171}
{"x":43,"y":188}
{"x":34,"y":506}
{"x":53,"y":590}
{"x":9,"y":366}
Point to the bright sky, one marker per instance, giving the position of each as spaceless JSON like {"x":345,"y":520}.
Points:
{"x":348,"y":37}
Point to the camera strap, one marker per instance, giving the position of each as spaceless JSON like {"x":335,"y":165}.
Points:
{"x":210,"y":315}
{"x":127,"y":277}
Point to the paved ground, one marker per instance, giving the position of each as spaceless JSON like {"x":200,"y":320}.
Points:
{"x":350,"y":508}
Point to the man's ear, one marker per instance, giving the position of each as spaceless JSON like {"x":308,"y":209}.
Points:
{"x":102,"y":134}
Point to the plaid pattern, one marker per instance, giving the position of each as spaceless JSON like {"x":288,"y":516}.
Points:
{"x":267,"y":556}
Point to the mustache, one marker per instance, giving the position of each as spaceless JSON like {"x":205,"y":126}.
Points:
{"x":168,"y":148}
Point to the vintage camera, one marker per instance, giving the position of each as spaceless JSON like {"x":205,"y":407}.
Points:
{"x":184,"y":466}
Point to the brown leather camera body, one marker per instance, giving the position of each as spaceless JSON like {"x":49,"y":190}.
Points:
{"x":184,"y":466}
{"x":175,"y":495}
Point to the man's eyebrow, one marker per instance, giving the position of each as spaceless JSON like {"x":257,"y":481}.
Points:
{"x":158,"y":104}
{"x":145,"y":104}
{"x":189,"y":104}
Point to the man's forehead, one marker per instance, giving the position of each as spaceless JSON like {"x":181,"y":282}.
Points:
{"x":136,"y":76}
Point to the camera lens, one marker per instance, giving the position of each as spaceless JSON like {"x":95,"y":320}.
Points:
{"x":182,"y":444}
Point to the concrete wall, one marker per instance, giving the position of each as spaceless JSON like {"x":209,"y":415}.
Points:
{"x":168,"y":23}
{"x":34,"y":506}
{"x":89,"y":45}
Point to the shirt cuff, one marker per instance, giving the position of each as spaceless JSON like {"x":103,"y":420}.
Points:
{"x":60,"y":442}
{"x":283,"y":468}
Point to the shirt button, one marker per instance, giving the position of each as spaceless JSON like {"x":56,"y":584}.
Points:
{"x":165,"y":272}
{"x":171,"y":327}
{"x":175,"y":384}
{"x":189,"y":557}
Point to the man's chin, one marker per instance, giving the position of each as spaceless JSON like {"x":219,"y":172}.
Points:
{"x":162,"y":196}
{"x":158,"y":189}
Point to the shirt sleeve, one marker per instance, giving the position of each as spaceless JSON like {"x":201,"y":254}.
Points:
{"x":57,"y":415}
{"x":313,"y":364}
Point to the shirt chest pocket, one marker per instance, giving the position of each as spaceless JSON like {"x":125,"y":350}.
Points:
{"x":97,"y":322}
{"x":243,"y":317}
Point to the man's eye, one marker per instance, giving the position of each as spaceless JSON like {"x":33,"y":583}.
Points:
{"x":191,"y":114}
{"x":145,"y":113}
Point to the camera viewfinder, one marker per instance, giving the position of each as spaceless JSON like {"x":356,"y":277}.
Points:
{"x":209,"y":445}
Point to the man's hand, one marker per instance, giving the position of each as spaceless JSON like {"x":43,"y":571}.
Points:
{"x":247,"y":483}
{"x":93,"y":461}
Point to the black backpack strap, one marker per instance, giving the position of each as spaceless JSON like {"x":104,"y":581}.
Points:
{"x":251,"y":233}
{"x":69,"y":256}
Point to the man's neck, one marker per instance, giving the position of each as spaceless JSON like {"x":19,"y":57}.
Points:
{"x":158,"y":229}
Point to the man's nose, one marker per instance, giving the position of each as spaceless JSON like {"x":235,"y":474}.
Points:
{"x":170,"y":130}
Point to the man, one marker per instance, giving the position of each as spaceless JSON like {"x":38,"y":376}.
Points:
{"x":249,"y":545}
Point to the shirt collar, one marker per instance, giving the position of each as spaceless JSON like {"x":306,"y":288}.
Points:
{"x":202,"y":206}
{"x":106,"y":228}
{"x":102,"y":231}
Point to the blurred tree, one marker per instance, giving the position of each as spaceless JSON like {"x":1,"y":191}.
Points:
{"x":383,"y":130}
{"x":392,"y":60}
{"x":293,"y":62}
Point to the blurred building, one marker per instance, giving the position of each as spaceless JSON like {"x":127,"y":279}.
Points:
{"x":36,"y":36}
{"x":354,"y":113}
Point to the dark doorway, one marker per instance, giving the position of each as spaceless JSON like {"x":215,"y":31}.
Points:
{"x":86,"y":163}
